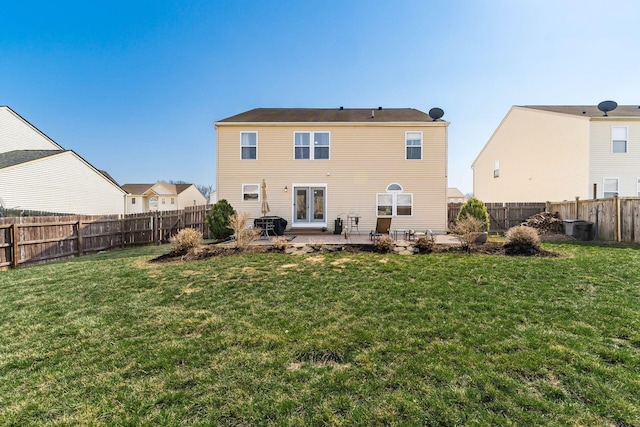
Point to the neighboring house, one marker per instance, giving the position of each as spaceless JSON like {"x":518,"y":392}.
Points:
{"x":324,"y":164}
{"x":555,"y":153}
{"x":38,"y":174}
{"x":455,"y":196}
{"x":162,"y":196}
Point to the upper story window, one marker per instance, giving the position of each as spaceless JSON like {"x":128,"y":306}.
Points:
{"x":302,"y":145}
{"x":248,"y":145}
{"x":610,"y":187}
{"x":638,"y":187}
{"x":413,"y":144}
{"x":496,"y":168}
{"x":619,"y":139}
{"x":173,"y":201}
{"x":250,"y":192}
{"x":133,"y":200}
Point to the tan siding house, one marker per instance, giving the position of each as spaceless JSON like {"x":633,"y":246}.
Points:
{"x":162,"y":196}
{"x":321,"y":164}
{"x":38,"y":174}
{"x":551,"y":153}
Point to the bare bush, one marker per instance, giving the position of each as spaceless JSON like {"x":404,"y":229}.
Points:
{"x":425,"y":243}
{"x":186,"y":239}
{"x":467,"y":229}
{"x":384,"y":244}
{"x":280,"y":243}
{"x":243,"y":235}
{"x":522,"y":240}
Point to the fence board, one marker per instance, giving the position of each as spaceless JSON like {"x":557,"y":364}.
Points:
{"x":502,"y":216}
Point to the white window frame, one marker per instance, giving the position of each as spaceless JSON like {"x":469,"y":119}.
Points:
{"x":638,"y":187}
{"x":496,"y":168}
{"x":604,"y":187}
{"x":133,"y":200}
{"x":407,"y":146}
{"x":246,"y":193}
{"x":625,"y":140}
{"x":311,"y":146}
{"x":393,"y":194}
{"x":248,"y":146}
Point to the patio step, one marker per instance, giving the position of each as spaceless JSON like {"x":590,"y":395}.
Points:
{"x":307,"y":232}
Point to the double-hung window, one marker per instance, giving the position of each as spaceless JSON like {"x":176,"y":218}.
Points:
{"x":250,"y":192}
{"x":610,"y":187}
{"x":394,"y":202}
{"x":413,"y":144}
{"x":638,"y":187}
{"x":302,"y":145}
{"x":496,"y":168}
{"x":248,"y":145}
{"x":619,"y":139}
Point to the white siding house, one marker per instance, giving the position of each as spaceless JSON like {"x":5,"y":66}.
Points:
{"x":38,"y":174}
{"x":162,"y":196}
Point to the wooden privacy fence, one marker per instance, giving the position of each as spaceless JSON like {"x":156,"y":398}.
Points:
{"x":615,"y":219}
{"x":30,"y":240}
{"x":502,"y":216}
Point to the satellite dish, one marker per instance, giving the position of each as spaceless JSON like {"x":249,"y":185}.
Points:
{"x":436,"y":113}
{"x":606,"y":106}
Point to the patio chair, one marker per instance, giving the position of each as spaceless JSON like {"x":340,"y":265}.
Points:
{"x":383,"y":226}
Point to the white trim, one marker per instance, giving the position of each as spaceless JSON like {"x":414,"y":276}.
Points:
{"x":406,"y":133}
{"x":247,"y":192}
{"x":604,"y":185}
{"x":311,"y":146}
{"x":248,"y":131}
{"x":309,"y":224}
{"x":626,"y":140}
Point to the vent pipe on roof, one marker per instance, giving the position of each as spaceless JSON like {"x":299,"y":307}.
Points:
{"x":379,"y":108}
{"x":373,"y":114}
{"x":341,"y":107}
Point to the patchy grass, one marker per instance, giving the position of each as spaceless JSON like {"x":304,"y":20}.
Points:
{"x":337,"y":339}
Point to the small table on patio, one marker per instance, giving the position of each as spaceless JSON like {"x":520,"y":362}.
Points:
{"x":407,"y":234}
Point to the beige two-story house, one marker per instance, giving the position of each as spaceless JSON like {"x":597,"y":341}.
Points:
{"x":324,"y":164}
{"x":554,"y":153}
{"x":162,"y":196}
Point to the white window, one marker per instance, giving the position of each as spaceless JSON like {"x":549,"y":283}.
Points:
{"x":250,"y":192}
{"x":164,"y":202}
{"x":619,"y":139}
{"x":133,"y":200}
{"x":638,"y":187}
{"x":496,"y":168}
{"x":248,"y":145}
{"x":302,"y":145}
{"x":413,"y":144}
{"x":173,"y":201}
{"x":394,"y":202}
{"x":610,"y":187}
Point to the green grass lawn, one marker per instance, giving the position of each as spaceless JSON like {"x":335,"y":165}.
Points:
{"x":329,"y":339}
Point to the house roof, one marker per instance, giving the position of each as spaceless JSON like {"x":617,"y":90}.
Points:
{"x":328,"y":115}
{"x":16,"y":157}
{"x":143,"y":188}
{"x":454,"y":192}
{"x":589,"y":110}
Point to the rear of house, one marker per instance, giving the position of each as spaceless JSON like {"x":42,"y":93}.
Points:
{"x":324,"y":164}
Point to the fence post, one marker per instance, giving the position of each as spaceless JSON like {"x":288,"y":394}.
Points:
{"x":156,"y":228}
{"x":79,"y":231}
{"x":14,"y":243}
{"x":577,"y":201}
{"x":122,"y":233}
{"x":616,"y":201}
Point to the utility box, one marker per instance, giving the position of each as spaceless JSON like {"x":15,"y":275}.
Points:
{"x":583,"y":230}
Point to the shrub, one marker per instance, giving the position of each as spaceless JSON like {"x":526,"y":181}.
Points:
{"x":477,"y":209}
{"x":467,"y":229}
{"x":425,"y":243}
{"x":384,"y":244}
{"x":218,"y":220}
{"x":238,"y":222}
{"x":522,"y":240}
{"x":186,"y":239}
{"x":280,"y":243}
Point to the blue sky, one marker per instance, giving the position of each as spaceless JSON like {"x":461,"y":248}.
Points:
{"x":134,"y":87}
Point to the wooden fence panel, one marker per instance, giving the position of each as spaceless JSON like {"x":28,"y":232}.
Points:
{"x":137,"y":229}
{"x":630,"y":220}
{"x":6,"y":246}
{"x":502,"y":216}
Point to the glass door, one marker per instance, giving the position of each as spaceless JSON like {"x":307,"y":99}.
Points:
{"x":309,"y":205}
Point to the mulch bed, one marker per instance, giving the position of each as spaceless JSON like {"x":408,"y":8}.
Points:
{"x":214,"y":250}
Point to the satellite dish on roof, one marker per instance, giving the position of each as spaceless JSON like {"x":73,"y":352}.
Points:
{"x":606,"y":106}
{"x":436,"y":113}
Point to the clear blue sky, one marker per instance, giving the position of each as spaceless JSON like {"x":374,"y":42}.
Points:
{"x":134,"y":87}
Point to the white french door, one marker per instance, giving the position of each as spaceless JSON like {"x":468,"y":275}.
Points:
{"x":309,"y":205}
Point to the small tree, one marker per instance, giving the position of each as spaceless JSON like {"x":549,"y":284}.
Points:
{"x":218,"y":220}
{"x":477,"y":209}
